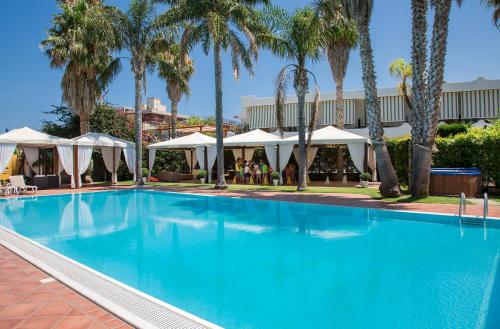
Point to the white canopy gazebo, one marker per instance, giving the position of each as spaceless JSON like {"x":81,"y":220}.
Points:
{"x":31,"y":141}
{"x":243,"y":145}
{"x":203,"y":146}
{"x":328,"y":136}
{"x":111,"y":148}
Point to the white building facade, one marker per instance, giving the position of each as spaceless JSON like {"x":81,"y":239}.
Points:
{"x":470,"y":101}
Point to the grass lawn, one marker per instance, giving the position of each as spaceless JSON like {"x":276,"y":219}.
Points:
{"x":370,"y":192}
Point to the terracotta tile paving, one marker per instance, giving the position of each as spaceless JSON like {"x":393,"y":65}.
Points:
{"x":25,"y":302}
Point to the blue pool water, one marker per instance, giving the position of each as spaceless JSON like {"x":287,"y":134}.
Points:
{"x":262,"y":264}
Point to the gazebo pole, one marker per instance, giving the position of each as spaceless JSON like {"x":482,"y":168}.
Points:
{"x":365,"y":161}
{"x":205,"y":160}
{"x":277,"y":160}
{"x":191,"y":159}
{"x":55,"y":160}
{"x":113,"y":174}
{"x":243,"y":153}
{"x":76,"y":174}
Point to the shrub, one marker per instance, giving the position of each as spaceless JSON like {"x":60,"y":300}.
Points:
{"x":365,"y":176}
{"x":202,"y":174}
{"x":275,"y":175}
{"x":452,"y":129}
{"x":145,"y":172}
{"x":476,"y":148}
{"x":399,"y":152}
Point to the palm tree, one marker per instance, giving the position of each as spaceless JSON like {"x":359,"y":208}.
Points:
{"x":176,"y":68}
{"x":360,"y":11}
{"x":297,"y":37}
{"x":495,"y":4}
{"x":427,"y":84}
{"x":402,"y":71}
{"x":220,"y":25}
{"x":144,"y":37}
{"x":81,"y":40}
{"x":341,"y":37}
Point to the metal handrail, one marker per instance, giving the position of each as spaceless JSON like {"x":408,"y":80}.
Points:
{"x":462,"y":207}
{"x":485,"y":205}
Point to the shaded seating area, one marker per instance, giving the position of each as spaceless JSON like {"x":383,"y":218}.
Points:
{"x":197,"y":147}
{"x":111,"y":149}
{"x":71,"y":156}
{"x":32,"y":142}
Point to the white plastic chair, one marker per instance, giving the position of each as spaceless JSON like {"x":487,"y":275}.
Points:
{"x":18,"y":183}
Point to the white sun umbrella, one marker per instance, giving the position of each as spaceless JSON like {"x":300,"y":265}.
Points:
{"x":251,"y":140}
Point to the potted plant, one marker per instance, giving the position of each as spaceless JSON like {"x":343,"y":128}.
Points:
{"x":275,"y":176}
{"x":202,"y":175}
{"x":365,"y":178}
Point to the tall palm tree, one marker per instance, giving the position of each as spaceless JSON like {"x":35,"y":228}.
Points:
{"x":297,"y":37}
{"x":360,"y":11}
{"x":144,"y":37}
{"x":495,"y":4}
{"x":221,"y":25}
{"x":341,"y":37}
{"x":176,"y":68}
{"x":427,"y":85}
{"x":81,"y":40}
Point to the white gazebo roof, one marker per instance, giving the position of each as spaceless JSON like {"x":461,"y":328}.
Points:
{"x":185,"y":142}
{"x":31,"y":137}
{"x":102,"y":140}
{"x":330,"y":135}
{"x":255,"y":137}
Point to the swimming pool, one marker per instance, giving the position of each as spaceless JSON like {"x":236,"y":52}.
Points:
{"x":243,"y":263}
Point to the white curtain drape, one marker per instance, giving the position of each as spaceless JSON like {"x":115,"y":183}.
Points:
{"x":238,"y":153}
{"x":357,"y":152}
{"x":285,"y":153}
{"x":107,"y":155}
{"x":188,"y":159}
{"x":66,"y":160}
{"x":84,"y":157}
{"x":211,"y":156}
{"x":249,"y":154}
{"x":200,"y":154}
{"x":311,"y":154}
{"x":151,"y":160}
{"x":271,"y":155}
{"x":129,"y":154}
{"x":372,"y":162}
{"x":32,"y":155}
{"x":6,"y":151}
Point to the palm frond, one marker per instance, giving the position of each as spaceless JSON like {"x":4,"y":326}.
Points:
{"x":280,"y":94}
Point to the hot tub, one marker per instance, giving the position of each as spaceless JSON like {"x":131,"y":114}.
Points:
{"x":453,"y":181}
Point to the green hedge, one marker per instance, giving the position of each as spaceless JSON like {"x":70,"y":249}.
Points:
{"x":398,"y":151}
{"x":452,"y":129}
{"x":477,"y":147}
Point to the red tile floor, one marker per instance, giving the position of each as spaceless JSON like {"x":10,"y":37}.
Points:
{"x":25,"y":302}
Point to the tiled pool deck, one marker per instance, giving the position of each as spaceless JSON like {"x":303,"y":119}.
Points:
{"x":26,"y":302}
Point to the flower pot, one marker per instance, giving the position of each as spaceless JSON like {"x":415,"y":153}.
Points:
{"x":364,"y":183}
{"x":202,"y":180}
{"x":275,"y":182}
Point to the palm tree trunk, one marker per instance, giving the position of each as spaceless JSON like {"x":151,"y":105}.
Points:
{"x":219,"y":118}
{"x":84,"y":122}
{"x":138,"y":130}
{"x":301,"y":86}
{"x":339,"y":120}
{"x":422,"y":147}
{"x":173,"y":119}
{"x":389,"y":181}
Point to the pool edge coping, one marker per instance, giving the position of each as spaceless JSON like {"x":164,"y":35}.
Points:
{"x":121,"y":311}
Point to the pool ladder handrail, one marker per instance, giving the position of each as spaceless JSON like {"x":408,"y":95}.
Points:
{"x":462,"y":207}
{"x":485,"y":205}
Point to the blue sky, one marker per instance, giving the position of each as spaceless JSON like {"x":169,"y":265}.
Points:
{"x":28,"y":86}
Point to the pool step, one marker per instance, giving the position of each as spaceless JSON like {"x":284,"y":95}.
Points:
{"x":475,"y":221}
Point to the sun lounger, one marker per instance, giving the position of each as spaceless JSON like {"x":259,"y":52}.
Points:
{"x":20,"y":185}
{"x":8,"y":189}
